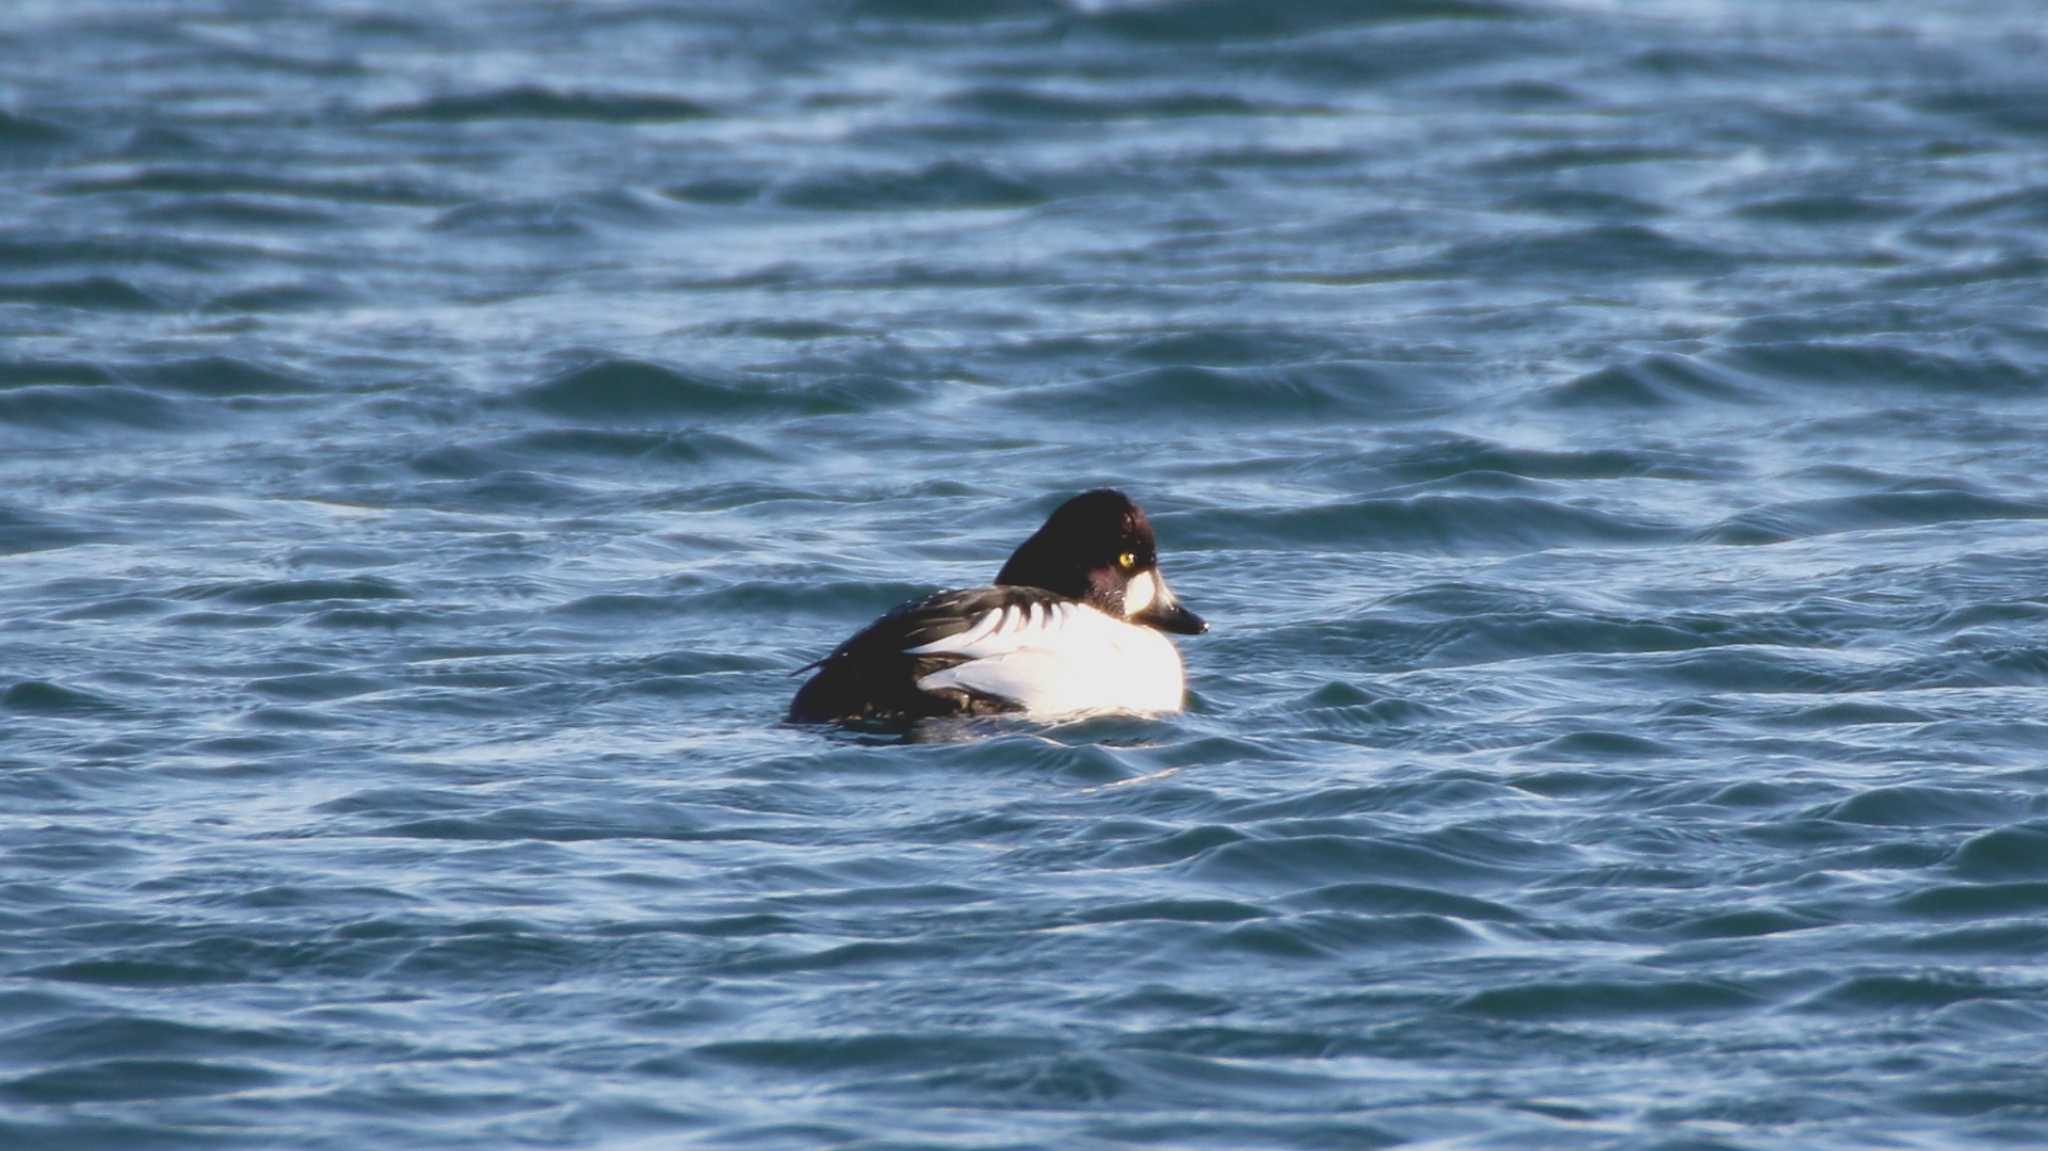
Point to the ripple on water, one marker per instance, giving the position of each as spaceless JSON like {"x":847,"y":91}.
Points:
{"x":1289,"y":394}
{"x":1584,"y":1000}
{"x":1661,"y":380}
{"x":1297,"y":861}
{"x":27,"y":530}
{"x":271,"y":592}
{"x":634,"y":390}
{"x":538,"y":102}
{"x":946,"y":184}
{"x":92,"y":293}
{"x":221,"y":376}
{"x":1637,"y":251}
{"x":136,"y":1079}
{"x":42,"y":697}
{"x":29,"y":132}
{"x":1213,"y":20}
{"x":1450,"y":524}
{"x":180,"y":179}
{"x":2014,"y":852}
{"x":87,"y":408}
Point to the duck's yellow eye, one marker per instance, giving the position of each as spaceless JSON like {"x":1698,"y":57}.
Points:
{"x":1127,"y":561}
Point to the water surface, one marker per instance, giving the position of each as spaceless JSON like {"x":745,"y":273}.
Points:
{"x":1606,"y":439}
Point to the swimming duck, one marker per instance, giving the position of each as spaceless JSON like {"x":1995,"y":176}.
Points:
{"x":1074,"y":622}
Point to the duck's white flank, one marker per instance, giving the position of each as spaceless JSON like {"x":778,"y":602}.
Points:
{"x":1061,"y":658}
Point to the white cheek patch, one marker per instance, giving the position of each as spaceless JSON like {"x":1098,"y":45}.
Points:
{"x":1139,"y":593}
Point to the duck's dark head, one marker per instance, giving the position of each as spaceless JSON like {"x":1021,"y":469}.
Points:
{"x":1098,"y":548}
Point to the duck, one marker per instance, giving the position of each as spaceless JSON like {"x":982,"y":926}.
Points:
{"x":1077,"y":620}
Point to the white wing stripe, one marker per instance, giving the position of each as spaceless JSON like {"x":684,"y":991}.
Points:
{"x":1016,"y":628}
{"x":981,"y":630}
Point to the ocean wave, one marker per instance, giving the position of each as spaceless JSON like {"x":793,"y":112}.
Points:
{"x":547,"y":219}
{"x":1229,"y":20}
{"x":1289,"y":394}
{"x":1584,"y":1000}
{"x":42,"y":697}
{"x":1870,"y":511}
{"x":20,"y":132}
{"x":236,"y":212}
{"x":1656,"y":381}
{"x":1457,"y":456}
{"x":1446,"y":524}
{"x":1867,"y":365}
{"x":81,"y":408}
{"x":96,"y":293}
{"x":244,"y":180}
{"x":538,"y":102}
{"x":127,"y":1079}
{"x":1072,"y":106}
{"x":25,"y":530}
{"x":220,"y":376}
{"x":268,"y":592}
{"x":946,"y":184}
{"x":633,"y":390}
{"x":1634,"y":250}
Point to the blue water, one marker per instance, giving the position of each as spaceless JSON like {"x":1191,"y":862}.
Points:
{"x":1607,"y":439}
